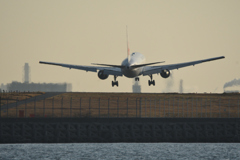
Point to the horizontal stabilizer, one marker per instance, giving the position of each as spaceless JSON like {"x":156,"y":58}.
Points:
{"x":109,"y":65}
{"x":146,"y":64}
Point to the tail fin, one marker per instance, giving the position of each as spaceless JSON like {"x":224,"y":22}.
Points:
{"x":128,"y":50}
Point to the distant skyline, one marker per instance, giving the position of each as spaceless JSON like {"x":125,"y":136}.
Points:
{"x":84,"y":32}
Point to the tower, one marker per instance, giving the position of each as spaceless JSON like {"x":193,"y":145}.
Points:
{"x":26,"y":77}
{"x":136,"y":87}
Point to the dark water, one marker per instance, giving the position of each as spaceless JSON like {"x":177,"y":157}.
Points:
{"x":121,"y":151}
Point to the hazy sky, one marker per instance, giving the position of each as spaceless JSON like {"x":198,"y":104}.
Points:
{"x":92,"y":31}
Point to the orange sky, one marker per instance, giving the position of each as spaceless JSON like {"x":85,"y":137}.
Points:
{"x":92,"y":31}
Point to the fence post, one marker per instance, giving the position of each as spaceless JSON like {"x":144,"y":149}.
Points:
{"x":127,"y":107}
{"x":164,"y":107}
{"x":192,"y":107}
{"x":173,"y":106}
{"x":80,"y":107}
{"x":196,"y":107}
{"x":183,"y":107}
{"x":99,"y":103}
{"x":44,"y":107}
{"x":169,"y":107}
{"x":229,"y":108}
{"x":71,"y":107}
{"x":219,"y":104}
{"x":210,"y":108}
{"x":238,"y":108}
{"x":62,"y":107}
{"x":108,"y":108}
{"x":89,"y":107}
{"x":187,"y":108}
{"x":136,"y":107}
{"x":35,"y":107}
{"x":150,"y":107}
{"x":25,"y":108}
{"x":155,"y":108}
{"x":159,"y":107}
{"x":206,"y":107}
{"x":16,"y":107}
{"x":0,"y":107}
{"x":145,"y":107}
{"x":140,"y":107}
{"x":178,"y":108}
{"x":52,"y":106}
{"x":7,"y":107}
{"x":118,"y":107}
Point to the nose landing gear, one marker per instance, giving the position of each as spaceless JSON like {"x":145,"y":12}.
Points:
{"x":151,"y":82}
{"x":137,"y":79}
{"x":115,"y":82}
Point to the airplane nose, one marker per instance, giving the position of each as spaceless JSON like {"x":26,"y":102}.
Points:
{"x":128,"y":66}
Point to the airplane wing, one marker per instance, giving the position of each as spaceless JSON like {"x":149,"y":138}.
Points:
{"x":107,"y":70}
{"x":158,"y":69}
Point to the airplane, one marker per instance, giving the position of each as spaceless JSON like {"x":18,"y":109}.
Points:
{"x":132,"y":67}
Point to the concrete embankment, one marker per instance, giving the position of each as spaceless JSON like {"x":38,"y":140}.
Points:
{"x":70,"y":130}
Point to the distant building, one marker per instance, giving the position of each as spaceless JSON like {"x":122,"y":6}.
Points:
{"x":26,"y":86}
{"x":3,"y":87}
{"x":42,"y":87}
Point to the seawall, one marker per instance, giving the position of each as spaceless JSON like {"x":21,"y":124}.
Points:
{"x":74,"y":130}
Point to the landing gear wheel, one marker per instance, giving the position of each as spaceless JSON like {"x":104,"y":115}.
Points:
{"x":137,"y":79}
{"x":151,"y":82}
{"x":114,"y":83}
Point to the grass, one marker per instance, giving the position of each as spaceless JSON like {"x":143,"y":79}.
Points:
{"x":126,"y":105}
{"x":13,"y":97}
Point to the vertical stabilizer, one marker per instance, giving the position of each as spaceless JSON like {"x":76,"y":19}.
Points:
{"x":128,"y":50}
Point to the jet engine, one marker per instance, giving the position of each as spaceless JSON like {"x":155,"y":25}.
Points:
{"x":102,"y":76}
{"x":165,"y":73}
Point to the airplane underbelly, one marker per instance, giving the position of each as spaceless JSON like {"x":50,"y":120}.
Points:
{"x":131,"y":73}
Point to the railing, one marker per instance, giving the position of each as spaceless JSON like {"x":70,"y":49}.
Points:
{"x":140,"y":107}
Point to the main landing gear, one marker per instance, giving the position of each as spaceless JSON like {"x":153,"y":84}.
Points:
{"x":115,"y":82}
{"x":151,"y":82}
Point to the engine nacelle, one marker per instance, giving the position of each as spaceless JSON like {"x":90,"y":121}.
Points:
{"x":102,"y":76}
{"x":165,"y":73}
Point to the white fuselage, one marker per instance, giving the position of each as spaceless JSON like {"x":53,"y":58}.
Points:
{"x":135,"y":58}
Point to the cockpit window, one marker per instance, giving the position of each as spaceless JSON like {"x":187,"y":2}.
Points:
{"x":133,"y":53}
